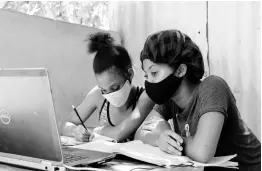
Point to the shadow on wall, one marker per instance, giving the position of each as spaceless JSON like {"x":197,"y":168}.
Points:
{"x":30,"y":41}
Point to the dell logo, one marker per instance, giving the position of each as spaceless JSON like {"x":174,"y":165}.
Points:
{"x":4,"y":116}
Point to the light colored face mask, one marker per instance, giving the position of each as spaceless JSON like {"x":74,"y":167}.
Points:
{"x":119,"y":97}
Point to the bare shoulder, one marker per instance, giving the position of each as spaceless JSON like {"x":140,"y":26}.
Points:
{"x":95,"y":96}
{"x":145,"y":103}
{"x":144,"y":98}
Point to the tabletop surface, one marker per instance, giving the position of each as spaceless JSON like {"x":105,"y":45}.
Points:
{"x":120,"y":163}
{"x":117,"y":164}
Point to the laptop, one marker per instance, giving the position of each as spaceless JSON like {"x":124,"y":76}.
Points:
{"x":29,"y":135}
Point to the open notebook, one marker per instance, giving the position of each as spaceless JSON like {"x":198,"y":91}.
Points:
{"x":147,"y":153}
{"x":70,"y":141}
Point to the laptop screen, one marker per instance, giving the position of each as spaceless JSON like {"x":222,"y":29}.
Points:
{"x":27,"y":117}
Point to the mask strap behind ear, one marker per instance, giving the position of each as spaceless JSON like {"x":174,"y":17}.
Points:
{"x":176,"y":68}
{"x":128,"y":74}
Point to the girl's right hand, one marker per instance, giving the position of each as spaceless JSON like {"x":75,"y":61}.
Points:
{"x":170,"y":142}
{"x":81,"y":134}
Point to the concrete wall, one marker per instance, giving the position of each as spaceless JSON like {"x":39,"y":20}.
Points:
{"x":235,"y":54}
{"x":134,"y":21}
{"x":29,"y":41}
{"x":233,"y":35}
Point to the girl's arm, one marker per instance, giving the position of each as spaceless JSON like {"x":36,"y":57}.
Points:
{"x":152,"y":128}
{"x":202,"y":146}
{"x":85,"y":109}
{"x":130,"y":124}
{"x":214,"y":101}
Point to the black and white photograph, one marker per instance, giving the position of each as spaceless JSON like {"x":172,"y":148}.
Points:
{"x":130,"y":85}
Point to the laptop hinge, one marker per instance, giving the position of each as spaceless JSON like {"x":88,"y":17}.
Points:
{"x":50,"y":167}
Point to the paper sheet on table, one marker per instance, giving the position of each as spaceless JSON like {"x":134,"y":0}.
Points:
{"x":70,"y":141}
{"x":147,"y":153}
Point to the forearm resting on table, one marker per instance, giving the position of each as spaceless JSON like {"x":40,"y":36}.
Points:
{"x":128,"y":126}
{"x":202,"y":146}
{"x":190,"y":150}
{"x":68,"y":129}
{"x":115,"y":133}
{"x":196,"y":153}
{"x":118,"y":133}
{"x":149,"y":134}
{"x":148,"y":137}
{"x":198,"y":150}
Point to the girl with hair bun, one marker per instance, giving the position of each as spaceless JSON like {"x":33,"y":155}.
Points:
{"x":123,"y":106}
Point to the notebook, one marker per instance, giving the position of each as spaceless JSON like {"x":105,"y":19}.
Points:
{"x":150,"y":154}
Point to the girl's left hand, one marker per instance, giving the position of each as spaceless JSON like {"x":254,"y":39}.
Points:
{"x":96,"y":130}
{"x":170,"y":142}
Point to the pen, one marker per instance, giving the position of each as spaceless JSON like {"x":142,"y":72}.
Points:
{"x":79,"y":117}
{"x":106,"y":138}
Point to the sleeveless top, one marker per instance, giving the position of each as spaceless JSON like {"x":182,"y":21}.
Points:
{"x":104,"y":117}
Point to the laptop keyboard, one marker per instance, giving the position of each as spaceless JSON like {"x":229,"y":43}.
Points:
{"x":72,"y":158}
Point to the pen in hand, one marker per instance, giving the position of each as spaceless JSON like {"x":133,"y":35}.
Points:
{"x":79,"y":117}
{"x":92,"y":133}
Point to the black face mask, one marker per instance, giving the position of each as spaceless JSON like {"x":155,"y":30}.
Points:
{"x":164,"y":90}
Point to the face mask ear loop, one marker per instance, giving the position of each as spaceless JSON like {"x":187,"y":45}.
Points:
{"x":176,"y":68}
{"x":128,"y":74}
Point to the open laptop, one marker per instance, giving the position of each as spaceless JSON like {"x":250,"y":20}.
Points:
{"x":28,"y":128}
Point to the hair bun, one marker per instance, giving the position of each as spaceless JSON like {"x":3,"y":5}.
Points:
{"x":99,"y":40}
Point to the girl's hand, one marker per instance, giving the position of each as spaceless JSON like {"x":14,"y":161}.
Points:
{"x":170,"y":142}
{"x":98,"y":130}
{"x":81,"y":134}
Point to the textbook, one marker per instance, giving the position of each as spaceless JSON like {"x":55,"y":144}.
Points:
{"x":150,"y":154}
